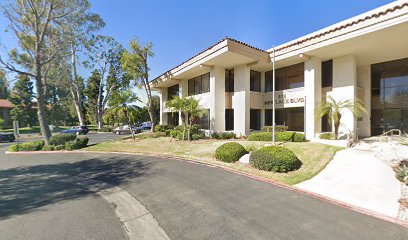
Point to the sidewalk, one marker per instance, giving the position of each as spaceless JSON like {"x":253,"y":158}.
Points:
{"x":358,"y":176}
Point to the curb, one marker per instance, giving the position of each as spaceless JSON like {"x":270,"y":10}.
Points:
{"x":248,"y":175}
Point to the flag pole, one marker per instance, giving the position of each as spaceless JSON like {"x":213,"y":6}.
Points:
{"x":273,"y":97}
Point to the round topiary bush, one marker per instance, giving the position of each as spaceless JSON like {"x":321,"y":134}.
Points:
{"x":275,"y":158}
{"x":230,"y":152}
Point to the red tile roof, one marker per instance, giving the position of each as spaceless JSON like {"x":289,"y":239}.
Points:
{"x":4,"y":103}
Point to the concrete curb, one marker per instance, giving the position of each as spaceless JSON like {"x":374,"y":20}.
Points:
{"x":249,"y":175}
{"x":138,"y":222}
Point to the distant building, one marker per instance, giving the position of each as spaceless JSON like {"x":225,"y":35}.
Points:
{"x":5,"y":108}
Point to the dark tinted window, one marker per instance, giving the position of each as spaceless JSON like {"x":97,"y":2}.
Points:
{"x":327,"y":73}
{"x":229,"y":119}
{"x":172,"y":91}
{"x":229,"y":80}
{"x":255,"y":81}
{"x":255,"y":119}
{"x":199,"y":84}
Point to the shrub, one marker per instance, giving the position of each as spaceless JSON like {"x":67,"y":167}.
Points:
{"x":197,"y":136}
{"x":168,"y":132}
{"x":69,"y":146}
{"x":223,"y":135}
{"x":328,"y":136}
{"x":251,"y":148}
{"x":162,"y":128}
{"x":230,"y":152}
{"x":29,"y":146}
{"x":279,"y":136}
{"x":278,"y":128}
{"x":13,"y":148}
{"x":195,"y":129}
{"x":59,"y":147}
{"x":275,"y":158}
{"x":62,"y":139}
{"x":401,"y":171}
{"x":48,"y":148}
{"x":105,"y":129}
{"x":83,"y":141}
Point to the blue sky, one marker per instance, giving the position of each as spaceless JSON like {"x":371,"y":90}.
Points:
{"x":179,"y":29}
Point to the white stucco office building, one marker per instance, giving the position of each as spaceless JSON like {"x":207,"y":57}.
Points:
{"x":365,"y":57}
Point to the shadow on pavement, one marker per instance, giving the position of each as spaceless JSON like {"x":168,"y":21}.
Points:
{"x":25,"y":189}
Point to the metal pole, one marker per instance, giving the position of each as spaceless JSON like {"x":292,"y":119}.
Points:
{"x":273,"y":97}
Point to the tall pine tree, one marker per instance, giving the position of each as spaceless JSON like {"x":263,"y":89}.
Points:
{"x":22,"y":96}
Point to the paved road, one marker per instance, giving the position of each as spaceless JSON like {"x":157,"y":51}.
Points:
{"x":189,"y":201}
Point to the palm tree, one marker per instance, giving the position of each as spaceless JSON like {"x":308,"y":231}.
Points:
{"x":334,"y":109}
{"x":194,"y":110}
{"x":177,"y":104}
{"x":121,"y":101}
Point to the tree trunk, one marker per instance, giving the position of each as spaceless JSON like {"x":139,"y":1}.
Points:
{"x":336,"y":126}
{"x":78,"y":108}
{"x":149,"y":109}
{"x":100,"y":116}
{"x":45,"y":130}
{"x":76,"y":93}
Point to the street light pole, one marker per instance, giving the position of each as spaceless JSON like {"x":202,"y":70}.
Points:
{"x":273,"y":97}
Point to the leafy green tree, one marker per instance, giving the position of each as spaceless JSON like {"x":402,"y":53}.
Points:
{"x":334,"y":110}
{"x":104,"y":54}
{"x":80,"y":30}
{"x":4,"y":87}
{"x":41,"y":37}
{"x":134,"y":62}
{"x":92,"y":94}
{"x":121,"y":100}
{"x":21,"y":97}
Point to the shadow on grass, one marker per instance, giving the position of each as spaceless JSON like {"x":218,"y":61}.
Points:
{"x":26,"y":189}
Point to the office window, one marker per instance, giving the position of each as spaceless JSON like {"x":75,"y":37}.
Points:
{"x":268,"y":117}
{"x":269,"y":81}
{"x":229,"y":80}
{"x":172,"y":91}
{"x":327,"y":73}
{"x":255,"y":81}
{"x":286,"y":78}
{"x":173,"y":118}
{"x":255,"y":119}
{"x":199,"y":84}
{"x":229,"y":119}
{"x":203,"y":121}
{"x":295,"y":76}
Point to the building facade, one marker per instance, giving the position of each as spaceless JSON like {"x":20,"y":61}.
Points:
{"x":365,"y":58}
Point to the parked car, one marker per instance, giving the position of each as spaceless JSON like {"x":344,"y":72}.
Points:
{"x":145,"y":126}
{"x":78,"y":130}
{"x":7,"y":137}
{"x":126,"y":129}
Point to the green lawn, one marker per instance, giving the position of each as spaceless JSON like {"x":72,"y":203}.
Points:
{"x":314,"y":156}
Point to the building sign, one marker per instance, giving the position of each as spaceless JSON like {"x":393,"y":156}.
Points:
{"x":286,"y":99}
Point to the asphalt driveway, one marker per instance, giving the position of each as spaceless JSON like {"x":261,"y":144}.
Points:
{"x":189,"y":201}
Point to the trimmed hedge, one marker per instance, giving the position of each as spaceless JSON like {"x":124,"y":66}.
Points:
{"x":278,"y":128}
{"x":275,"y":158}
{"x":230,"y":152}
{"x":29,"y":146}
{"x":279,"y":136}
{"x":62,"y":138}
{"x":224,"y":135}
{"x":48,"y":148}
{"x":178,"y":132}
{"x":69,"y":146}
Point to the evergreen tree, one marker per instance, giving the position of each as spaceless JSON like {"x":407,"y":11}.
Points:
{"x":4,"y":93}
{"x":92,"y":94}
{"x":22,"y":96}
